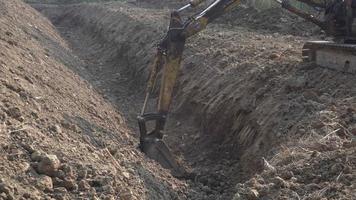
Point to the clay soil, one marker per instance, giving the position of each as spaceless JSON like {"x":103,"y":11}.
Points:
{"x":249,"y":118}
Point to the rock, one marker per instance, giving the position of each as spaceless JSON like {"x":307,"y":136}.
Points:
{"x":2,"y":116}
{"x":126,"y":175}
{"x":34,"y":114}
{"x":70,"y":126}
{"x":29,"y":148}
{"x":280,"y":183}
{"x":47,"y":197}
{"x":237,"y":196}
{"x":294,"y":179}
{"x":56,"y":129}
{"x":295,"y":83}
{"x":83,"y":185}
{"x":127,"y":195}
{"x":336,"y":168}
{"x":61,"y":190}
{"x":268,"y":167}
{"x":108,"y":189}
{"x":14,"y":112}
{"x":10,"y":197}
{"x":287,"y":175}
{"x":45,"y":183}
{"x":347,"y":169}
{"x":36,"y":156}
{"x":6,"y":189}
{"x":101,"y":181}
{"x":109,"y":197}
{"x":94,"y":197}
{"x":24,"y":167}
{"x":92,"y":191}
{"x":93,"y":172}
{"x":60,"y":174}
{"x":274,"y":56}
{"x":82,"y":173}
{"x":264,"y":190}
{"x":68,"y":171}
{"x":70,"y":184}
{"x":48,"y":165}
{"x":35,"y":195}
{"x":312,"y":95}
{"x":206,"y":189}
{"x":61,"y":197}
{"x":252,"y":194}
{"x":26,"y":195}
{"x":57,"y":182}
{"x":315,"y":154}
{"x":3,"y":195}
{"x":15,"y":154}
{"x":113,"y":150}
{"x":61,"y":193}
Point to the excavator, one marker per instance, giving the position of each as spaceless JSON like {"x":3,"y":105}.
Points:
{"x":338,"y":55}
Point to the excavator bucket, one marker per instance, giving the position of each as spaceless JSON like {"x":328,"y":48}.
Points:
{"x":154,"y":147}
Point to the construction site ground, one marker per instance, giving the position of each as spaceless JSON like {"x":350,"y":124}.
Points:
{"x":249,"y":118}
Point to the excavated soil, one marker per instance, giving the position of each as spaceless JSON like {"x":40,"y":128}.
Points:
{"x":59,"y":138}
{"x":249,"y":117}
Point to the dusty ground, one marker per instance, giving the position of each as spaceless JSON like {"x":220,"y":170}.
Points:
{"x":58,"y":137}
{"x":243,"y":94}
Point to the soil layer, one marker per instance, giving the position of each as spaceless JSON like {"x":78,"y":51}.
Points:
{"x":249,"y":117}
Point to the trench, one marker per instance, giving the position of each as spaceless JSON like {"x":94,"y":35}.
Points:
{"x":115,"y":64}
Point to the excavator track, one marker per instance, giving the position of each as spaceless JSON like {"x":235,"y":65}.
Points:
{"x":331,"y":55}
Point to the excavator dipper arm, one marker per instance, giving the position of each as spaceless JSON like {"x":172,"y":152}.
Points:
{"x":168,"y":58}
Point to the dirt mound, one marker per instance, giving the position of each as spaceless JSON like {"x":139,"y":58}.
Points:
{"x":276,"y":20}
{"x":242,"y":93}
{"x":58,"y":137}
{"x":317,"y":165}
{"x":299,"y":173}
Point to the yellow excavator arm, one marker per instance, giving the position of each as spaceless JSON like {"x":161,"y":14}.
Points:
{"x":168,"y":58}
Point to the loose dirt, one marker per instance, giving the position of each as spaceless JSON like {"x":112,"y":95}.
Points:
{"x":251,"y":119}
{"x":59,"y":138}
